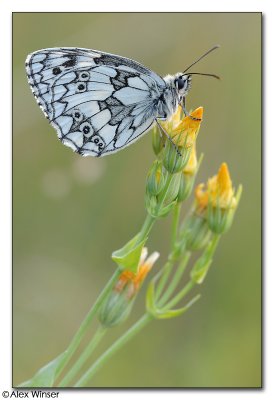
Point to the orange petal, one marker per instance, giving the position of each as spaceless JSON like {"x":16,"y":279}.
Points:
{"x":198,"y":113}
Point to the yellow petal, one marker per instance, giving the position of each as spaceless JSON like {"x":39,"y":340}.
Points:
{"x":186,"y":132}
{"x":177,"y":117}
{"x":191,"y":166}
{"x":219,"y":191}
{"x":224,"y":180}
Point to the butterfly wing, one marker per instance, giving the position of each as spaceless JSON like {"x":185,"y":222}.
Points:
{"x":97,"y":102}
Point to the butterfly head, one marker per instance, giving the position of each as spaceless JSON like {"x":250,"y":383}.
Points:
{"x":182,"y":84}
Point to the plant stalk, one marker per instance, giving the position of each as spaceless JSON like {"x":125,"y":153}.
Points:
{"x":85,"y":324}
{"x":137,"y":327}
{"x":83,"y":357}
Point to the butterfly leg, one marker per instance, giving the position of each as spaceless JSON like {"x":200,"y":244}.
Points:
{"x":187,"y":113}
{"x":169,"y":138}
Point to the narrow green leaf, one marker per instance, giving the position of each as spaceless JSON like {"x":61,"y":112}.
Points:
{"x":45,"y":377}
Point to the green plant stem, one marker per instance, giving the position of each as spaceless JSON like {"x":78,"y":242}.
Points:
{"x":147,"y":225}
{"x":180,"y":295}
{"x":83,"y":357}
{"x":164,"y":275}
{"x":176,"y":278}
{"x":137,"y":327}
{"x":165,"y":272}
{"x":214,"y":243}
{"x":172,"y":257}
{"x":85,"y":324}
{"x":146,"y":228}
{"x":175,"y":222}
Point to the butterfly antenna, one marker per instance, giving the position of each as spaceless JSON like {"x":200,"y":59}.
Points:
{"x":200,"y":73}
{"x":204,"y":55}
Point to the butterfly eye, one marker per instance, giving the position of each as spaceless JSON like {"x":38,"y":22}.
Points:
{"x":86,"y":128}
{"x":181,"y":83}
{"x":81,"y":87}
{"x":84,"y":76}
{"x":77,"y":115}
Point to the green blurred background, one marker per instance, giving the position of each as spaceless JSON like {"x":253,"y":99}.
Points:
{"x":70,"y":213}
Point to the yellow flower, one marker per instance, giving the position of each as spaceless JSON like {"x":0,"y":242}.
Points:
{"x":219,"y":191}
{"x":131,"y":281}
{"x":184,"y":133}
{"x":173,"y":122}
{"x":218,"y":201}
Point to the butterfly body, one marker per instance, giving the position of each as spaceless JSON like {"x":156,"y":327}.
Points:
{"x":100,"y":103}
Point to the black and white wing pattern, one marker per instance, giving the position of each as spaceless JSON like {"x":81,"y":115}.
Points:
{"x":97,"y":102}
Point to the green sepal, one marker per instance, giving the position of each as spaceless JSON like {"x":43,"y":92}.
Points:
{"x":151,"y":205}
{"x":163,"y":313}
{"x":195,"y":232}
{"x":46,"y":376}
{"x":156,"y":179}
{"x":115,"y":309}
{"x":158,"y":140}
{"x":176,"y":313}
{"x":128,"y":256}
{"x":166,"y":210}
{"x":220,"y":219}
{"x":175,"y":158}
{"x":173,"y":188}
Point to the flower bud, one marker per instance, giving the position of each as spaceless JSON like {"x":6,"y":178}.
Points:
{"x":195,"y":232}
{"x":183,"y":134}
{"x":186,"y":132}
{"x":156,"y":179}
{"x":186,"y":186}
{"x":173,"y":189}
{"x":158,"y":140}
{"x":217,"y":201}
{"x":188,"y":175}
{"x":118,"y":304}
{"x":174,"y":157}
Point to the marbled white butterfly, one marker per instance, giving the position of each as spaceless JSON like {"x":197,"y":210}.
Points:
{"x":100,"y":103}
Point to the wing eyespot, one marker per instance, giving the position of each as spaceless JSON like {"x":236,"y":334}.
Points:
{"x":81,"y":87}
{"x":84,"y":76}
{"x":87,"y":129}
{"x":96,"y":139}
{"x":77,"y":116}
{"x":77,"y":91}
